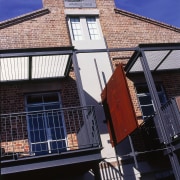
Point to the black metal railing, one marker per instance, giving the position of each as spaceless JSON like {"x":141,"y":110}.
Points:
{"x":171,"y":119}
{"x":52,"y":131}
{"x":170,"y":114}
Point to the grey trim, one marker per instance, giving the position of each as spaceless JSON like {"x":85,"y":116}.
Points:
{"x":81,"y":12}
{"x":50,"y":164}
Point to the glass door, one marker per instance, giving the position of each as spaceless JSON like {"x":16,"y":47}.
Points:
{"x":46,"y":126}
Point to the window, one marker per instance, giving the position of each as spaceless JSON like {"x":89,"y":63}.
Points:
{"x":92,"y":27}
{"x":145,"y":100}
{"x":84,"y":28}
{"x":76,"y":28}
{"x":45,"y":123}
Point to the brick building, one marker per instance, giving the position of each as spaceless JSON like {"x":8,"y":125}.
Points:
{"x":50,"y":110}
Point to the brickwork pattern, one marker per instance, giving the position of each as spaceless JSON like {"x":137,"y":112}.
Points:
{"x":13,"y":101}
{"x":49,"y":30}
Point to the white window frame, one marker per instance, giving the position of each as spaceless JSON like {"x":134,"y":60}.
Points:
{"x":88,"y":30}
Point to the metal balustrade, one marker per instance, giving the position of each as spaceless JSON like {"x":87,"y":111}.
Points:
{"x":108,"y":171}
{"x":171,"y":115}
{"x":46,"y":132}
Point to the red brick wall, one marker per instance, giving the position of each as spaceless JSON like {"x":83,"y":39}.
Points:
{"x":49,"y":30}
{"x":171,"y":82}
{"x":69,"y":93}
{"x":125,"y":31}
{"x":12,"y":98}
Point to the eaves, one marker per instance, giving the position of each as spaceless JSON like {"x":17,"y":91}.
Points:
{"x":148,"y":20}
{"x":23,"y":18}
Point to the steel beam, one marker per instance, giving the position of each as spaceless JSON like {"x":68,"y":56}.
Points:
{"x":154,"y":95}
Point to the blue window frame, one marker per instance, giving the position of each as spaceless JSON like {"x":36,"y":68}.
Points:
{"x":46,"y":125}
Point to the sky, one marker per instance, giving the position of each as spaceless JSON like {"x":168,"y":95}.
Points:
{"x":13,"y":8}
{"x":166,"y":11}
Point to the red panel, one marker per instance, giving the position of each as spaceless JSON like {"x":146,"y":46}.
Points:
{"x":118,"y":107}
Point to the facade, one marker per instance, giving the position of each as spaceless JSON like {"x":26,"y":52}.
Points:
{"x":55,"y":63}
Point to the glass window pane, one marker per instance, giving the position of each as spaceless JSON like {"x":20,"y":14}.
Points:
{"x":57,"y":133}
{"x":79,"y":32}
{"x":76,"y":28}
{"x":54,"y":120}
{"x":34,"y":99}
{"x":144,"y":100}
{"x":52,"y":106}
{"x":34,"y":108}
{"x":92,"y":27}
{"x":58,"y":146}
{"x":40,"y":148}
{"x":38,"y":136}
{"x":36,"y":122}
{"x":91,"y":31}
{"x":147,"y":110}
{"x":142,"y":89}
{"x":162,"y":98}
{"x":51,"y":97}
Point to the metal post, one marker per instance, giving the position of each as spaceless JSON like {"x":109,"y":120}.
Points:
{"x":81,"y":92}
{"x":154,"y":95}
{"x":97,"y":70}
{"x":133,"y":152}
{"x":78,"y":79}
{"x":157,"y":105}
{"x":118,"y":164}
{"x":115,"y":150}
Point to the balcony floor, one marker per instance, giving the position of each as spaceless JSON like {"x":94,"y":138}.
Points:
{"x":76,"y":162}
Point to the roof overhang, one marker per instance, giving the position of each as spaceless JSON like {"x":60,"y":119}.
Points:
{"x":35,"y":63}
{"x":160,"y":57}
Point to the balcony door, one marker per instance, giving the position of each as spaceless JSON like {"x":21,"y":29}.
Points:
{"x":46,"y":128}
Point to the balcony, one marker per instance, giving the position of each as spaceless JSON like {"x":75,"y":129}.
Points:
{"x":42,"y":136}
{"x":151,"y":131}
{"x":171,"y":122}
